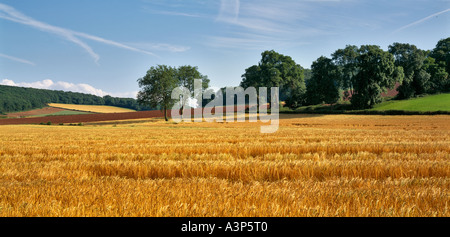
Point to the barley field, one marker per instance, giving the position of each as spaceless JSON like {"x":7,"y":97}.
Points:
{"x":314,"y":166}
{"x":92,"y":108}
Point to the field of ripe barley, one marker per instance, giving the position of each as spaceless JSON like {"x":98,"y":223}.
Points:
{"x":334,"y":165}
{"x":92,"y":108}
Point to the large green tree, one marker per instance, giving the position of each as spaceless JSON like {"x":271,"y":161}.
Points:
{"x":307,"y":74}
{"x":442,"y":54}
{"x":277,"y":70}
{"x":376,"y":73}
{"x":186,"y":76}
{"x":345,"y":61}
{"x":157,"y":86}
{"x":438,"y":66}
{"x":411,"y":59}
{"x":323,"y":85}
{"x":439,"y":78}
{"x":160,"y":81}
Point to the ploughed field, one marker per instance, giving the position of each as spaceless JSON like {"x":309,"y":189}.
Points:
{"x":82,"y":118}
{"x":334,"y":165}
{"x":68,"y":113}
{"x":103,"y":113}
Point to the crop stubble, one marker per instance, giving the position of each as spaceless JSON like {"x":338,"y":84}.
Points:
{"x":335,"y":165}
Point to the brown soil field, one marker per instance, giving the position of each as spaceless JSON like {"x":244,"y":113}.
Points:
{"x":47,"y":110}
{"x":82,"y":118}
{"x":85,"y":118}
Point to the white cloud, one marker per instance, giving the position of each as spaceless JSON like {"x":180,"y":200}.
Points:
{"x":7,"y":82}
{"x":67,"y":86}
{"x":11,"y":14}
{"x":17,"y":59}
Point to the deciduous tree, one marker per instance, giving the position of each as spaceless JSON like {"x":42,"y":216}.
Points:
{"x":156,"y":87}
{"x":376,"y":73}
{"x":411,"y":59}
{"x":277,"y":70}
{"x":323,"y":85}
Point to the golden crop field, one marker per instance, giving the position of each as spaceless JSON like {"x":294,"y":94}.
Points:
{"x":92,"y":108}
{"x":334,"y":165}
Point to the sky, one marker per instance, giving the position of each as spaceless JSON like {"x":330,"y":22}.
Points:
{"x":103,"y":47}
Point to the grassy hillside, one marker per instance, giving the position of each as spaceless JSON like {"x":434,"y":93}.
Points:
{"x":433,"y":104}
{"x":425,"y":104}
{"x":17,"y":99}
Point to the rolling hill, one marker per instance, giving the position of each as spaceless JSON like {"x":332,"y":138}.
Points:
{"x":17,"y":99}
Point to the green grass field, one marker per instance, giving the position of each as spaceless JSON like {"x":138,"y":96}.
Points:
{"x":425,"y":104}
{"x":428,"y":104}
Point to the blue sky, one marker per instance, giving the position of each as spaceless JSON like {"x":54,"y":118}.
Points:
{"x":103,"y":47}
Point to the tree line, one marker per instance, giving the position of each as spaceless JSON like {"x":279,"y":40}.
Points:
{"x":359,"y":74}
{"x":14,"y":99}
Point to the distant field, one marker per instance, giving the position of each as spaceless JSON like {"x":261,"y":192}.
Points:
{"x":430,"y":103}
{"x":92,"y":108}
{"x":83,"y":118}
{"x":64,"y":112}
{"x":44,"y":112}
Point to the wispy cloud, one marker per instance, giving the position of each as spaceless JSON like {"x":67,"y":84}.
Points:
{"x":173,"y":13}
{"x":17,"y":59}
{"x":229,"y":10}
{"x":193,"y":9}
{"x":67,"y":86}
{"x":112,"y":43}
{"x":265,"y":23}
{"x":11,"y":14}
{"x":161,"y":47}
{"x":263,"y":15}
{"x":252,"y":42}
{"x":421,"y":20}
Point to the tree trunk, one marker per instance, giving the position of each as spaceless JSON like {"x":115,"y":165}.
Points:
{"x":182,"y":107}
{"x":165,"y":114}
